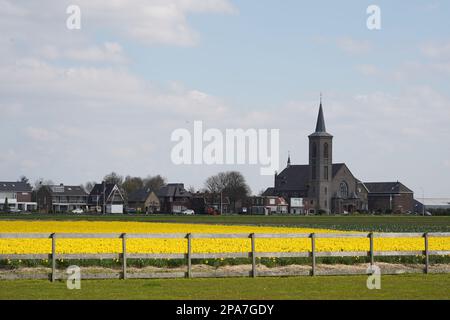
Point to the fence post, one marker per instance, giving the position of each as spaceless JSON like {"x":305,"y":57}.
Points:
{"x":427,"y":253}
{"x":313,"y":254}
{"x":124,"y":256}
{"x":372,"y":258}
{"x":254,"y":274}
{"x":53,"y":236}
{"x":189,"y":255}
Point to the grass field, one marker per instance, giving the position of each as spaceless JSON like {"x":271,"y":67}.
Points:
{"x":349,"y":287}
{"x":357,"y":223}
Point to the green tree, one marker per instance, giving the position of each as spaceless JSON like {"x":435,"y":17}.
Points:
{"x":6,"y":205}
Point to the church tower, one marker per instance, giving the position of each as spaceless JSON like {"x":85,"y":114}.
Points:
{"x":320,"y":166}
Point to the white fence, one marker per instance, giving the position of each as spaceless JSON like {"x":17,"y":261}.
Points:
{"x":189,"y":256}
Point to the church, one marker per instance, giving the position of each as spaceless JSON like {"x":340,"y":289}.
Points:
{"x":324,"y":187}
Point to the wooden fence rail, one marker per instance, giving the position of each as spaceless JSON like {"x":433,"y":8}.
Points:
{"x":189,"y":256}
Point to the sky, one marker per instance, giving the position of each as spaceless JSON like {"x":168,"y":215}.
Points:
{"x":78,"y":104}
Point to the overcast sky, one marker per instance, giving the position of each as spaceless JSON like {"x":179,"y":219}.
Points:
{"x":78,"y":104}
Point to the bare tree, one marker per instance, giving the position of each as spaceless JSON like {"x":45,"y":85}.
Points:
{"x":217,"y":183}
{"x":154,"y":183}
{"x":24,"y":179}
{"x":232,"y":184}
{"x":113,"y":178}
{"x":191,"y":190}
{"x":42,"y":182}
{"x":132,"y":184}
{"x":88,"y":186}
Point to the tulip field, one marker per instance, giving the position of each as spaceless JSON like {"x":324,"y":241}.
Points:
{"x":414,"y":286}
{"x":72,"y":246}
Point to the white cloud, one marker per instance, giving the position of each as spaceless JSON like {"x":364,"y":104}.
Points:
{"x":148,"y":21}
{"x":368,"y":69}
{"x":108,"y":52}
{"x":437,"y":50}
{"x":41,"y":134}
{"x":353,"y":46}
{"x":29,"y":164}
{"x":11,"y":109}
{"x":9,"y":8}
{"x":223,"y":6}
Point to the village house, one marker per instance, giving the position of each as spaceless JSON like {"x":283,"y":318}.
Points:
{"x":18,"y":195}
{"x":106,"y":198}
{"x":267,"y":205}
{"x":174,"y":198}
{"x":61,"y":198}
{"x":145,"y":201}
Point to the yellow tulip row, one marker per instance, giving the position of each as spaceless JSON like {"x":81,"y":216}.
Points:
{"x":34,"y":246}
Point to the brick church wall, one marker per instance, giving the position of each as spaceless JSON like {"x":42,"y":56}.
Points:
{"x":401,"y":203}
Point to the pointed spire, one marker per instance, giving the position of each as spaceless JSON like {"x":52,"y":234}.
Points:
{"x":289,"y":159}
{"x":320,"y":126}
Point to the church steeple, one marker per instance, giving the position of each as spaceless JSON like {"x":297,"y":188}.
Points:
{"x":320,"y":125}
{"x":289,"y":159}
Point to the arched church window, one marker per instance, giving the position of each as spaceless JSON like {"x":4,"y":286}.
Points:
{"x":344,"y":190}
{"x":326,"y":151}
{"x":314,"y":150}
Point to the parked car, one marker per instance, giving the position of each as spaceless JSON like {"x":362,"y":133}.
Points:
{"x":14,"y":210}
{"x":188,"y":212}
{"x":78,"y":211}
{"x":131,"y":211}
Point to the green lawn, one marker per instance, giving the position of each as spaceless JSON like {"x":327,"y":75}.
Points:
{"x":359,"y":223}
{"x":347,"y":287}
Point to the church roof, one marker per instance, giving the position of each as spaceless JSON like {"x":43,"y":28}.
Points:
{"x":337,"y":167}
{"x":387,"y":187}
{"x":296,"y":177}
